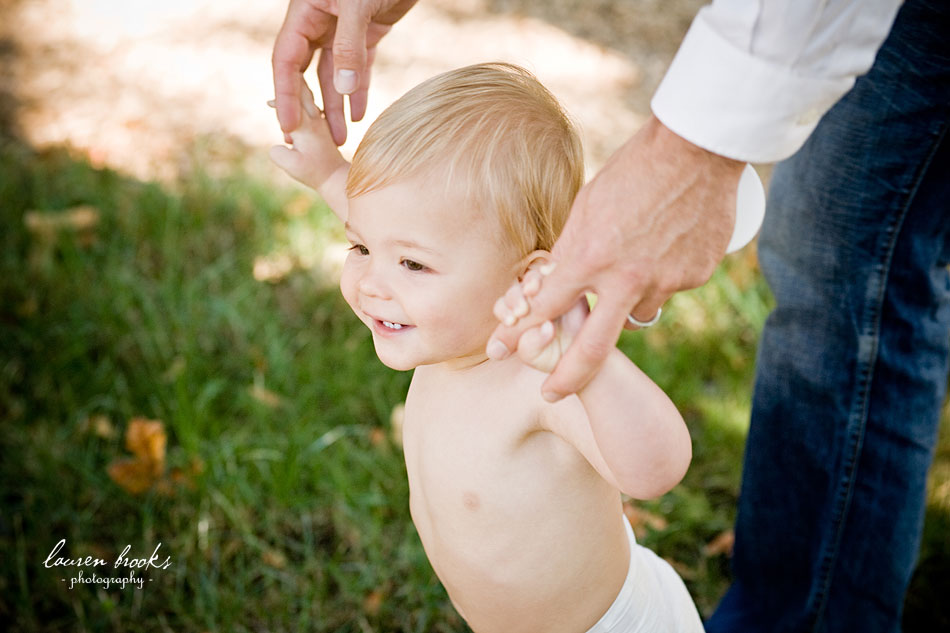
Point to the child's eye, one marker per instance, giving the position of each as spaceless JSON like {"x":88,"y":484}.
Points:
{"x":359,"y":248}
{"x":413,"y":266}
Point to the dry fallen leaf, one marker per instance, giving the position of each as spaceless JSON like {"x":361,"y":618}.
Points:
{"x":132,"y":474}
{"x":265,"y":396}
{"x":721,"y":544}
{"x":377,"y":437}
{"x":642,"y":520}
{"x":373,"y":602}
{"x":274,"y":558}
{"x":146,"y":440}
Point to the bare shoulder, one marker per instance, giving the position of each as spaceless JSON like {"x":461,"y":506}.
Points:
{"x":501,"y":394}
{"x":523,"y":386}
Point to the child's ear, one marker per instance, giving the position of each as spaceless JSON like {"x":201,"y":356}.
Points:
{"x":533,"y":261}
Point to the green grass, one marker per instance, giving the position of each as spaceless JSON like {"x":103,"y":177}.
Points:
{"x":297,"y":518}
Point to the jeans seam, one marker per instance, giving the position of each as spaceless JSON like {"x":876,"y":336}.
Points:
{"x":868,"y":344}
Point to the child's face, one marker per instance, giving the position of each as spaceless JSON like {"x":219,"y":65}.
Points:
{"x":423,"y":273}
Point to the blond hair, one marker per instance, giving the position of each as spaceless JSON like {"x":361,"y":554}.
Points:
{"x":495,"y":130}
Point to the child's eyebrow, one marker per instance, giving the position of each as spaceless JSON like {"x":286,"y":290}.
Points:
{"x":400,"y":242}
{"x":415,"y":245}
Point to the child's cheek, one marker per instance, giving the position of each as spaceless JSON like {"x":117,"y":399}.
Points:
{"x":348,"y":287}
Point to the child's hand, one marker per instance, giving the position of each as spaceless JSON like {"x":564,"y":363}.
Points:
{"x":313,"y":156}
{"x":540,"y":347}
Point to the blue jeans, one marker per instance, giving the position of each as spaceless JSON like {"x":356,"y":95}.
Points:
{"x":852,"y":365}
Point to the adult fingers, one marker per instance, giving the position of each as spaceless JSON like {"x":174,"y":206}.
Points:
{"x":349,"y":47}
{"x":298,"y":37}
{"x":561,"y":288}
{"x":646,"y":310}
{"x":291,"y":51}
{"x":332,"y":100}
{"x":587,"y":351}
{"x":359,"y":99}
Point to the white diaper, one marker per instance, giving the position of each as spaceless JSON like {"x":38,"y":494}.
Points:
{"x":653,"y":598}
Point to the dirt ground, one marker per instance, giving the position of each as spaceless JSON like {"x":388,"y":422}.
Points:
{"x":136,"y":84}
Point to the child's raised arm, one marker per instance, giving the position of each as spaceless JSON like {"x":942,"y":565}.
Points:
{"x":313,"y":158}
{"x":635,"y":438}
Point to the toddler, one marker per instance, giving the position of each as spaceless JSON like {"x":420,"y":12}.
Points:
{"x":454,"y":198}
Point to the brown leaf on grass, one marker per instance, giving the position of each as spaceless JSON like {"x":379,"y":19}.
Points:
{"x":377,"y":437}
{"x":265,"y":396}
{"x":132,"y":474}
{"x":721,"y":544}
{"x":146,"y":440}
{"x":642,"y":520}
{"x":274,"y":558}
{"x":373,"y":602}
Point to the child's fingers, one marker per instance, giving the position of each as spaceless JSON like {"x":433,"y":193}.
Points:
{"x":516,"y":302}
{"x":503,"y":313}
{"x":574,"y":318}
{"x":531,"y":284}
{"x":309,"y":105}
{"x":537,"y":347}
{"x":287,"y":159}
{"x":510,"y":307}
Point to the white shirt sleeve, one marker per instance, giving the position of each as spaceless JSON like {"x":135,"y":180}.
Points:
{"x":752,"y":78}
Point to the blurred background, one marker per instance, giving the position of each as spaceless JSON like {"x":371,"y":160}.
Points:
{"x":176,"y":364}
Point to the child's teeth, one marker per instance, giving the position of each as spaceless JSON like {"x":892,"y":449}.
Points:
{"x":394,"y":326}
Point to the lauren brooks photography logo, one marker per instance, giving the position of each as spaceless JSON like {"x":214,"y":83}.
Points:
{"x":125,"y":570}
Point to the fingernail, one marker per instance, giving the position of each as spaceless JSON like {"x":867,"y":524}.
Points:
{"x":550,"y":396}
{"x":272,"y":103}
{"x":509,"y":320}
{"x":546,"y":269}
{"x":532,"y":286}
{"x":345,"y":81}
{"x":547,"y":329}
{"x":521,"y":309}
{"x":497,"y":350}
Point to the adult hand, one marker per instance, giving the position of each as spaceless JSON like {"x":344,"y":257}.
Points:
{"x":346,"y":32}
{"x":655,"y":220}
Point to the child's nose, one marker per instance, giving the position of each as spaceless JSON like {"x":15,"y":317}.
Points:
{"x":373,"y":285}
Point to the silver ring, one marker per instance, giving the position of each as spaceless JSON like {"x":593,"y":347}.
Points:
{"x":641,"y":324}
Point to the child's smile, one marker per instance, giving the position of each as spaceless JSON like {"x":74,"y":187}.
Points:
{"x":388,"y":328}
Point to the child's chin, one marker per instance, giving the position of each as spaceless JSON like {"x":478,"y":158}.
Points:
{"x":396,"y":363}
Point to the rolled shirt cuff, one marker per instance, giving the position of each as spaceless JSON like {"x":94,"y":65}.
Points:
{"x":732,"y":103}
